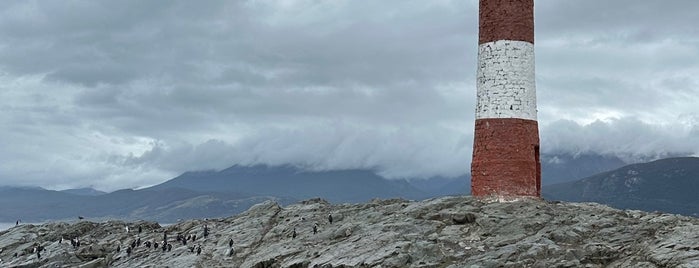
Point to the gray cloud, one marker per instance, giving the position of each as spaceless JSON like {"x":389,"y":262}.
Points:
{"x":628,"y":138}
{"x":131,"y":93}
{"x":624,"y":21}
{"x":617,"y":78}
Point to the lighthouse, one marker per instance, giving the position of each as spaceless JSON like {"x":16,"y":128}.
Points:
{"x":505,"y":162}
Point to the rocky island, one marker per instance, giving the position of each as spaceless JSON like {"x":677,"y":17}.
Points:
{"x":443,"y":232}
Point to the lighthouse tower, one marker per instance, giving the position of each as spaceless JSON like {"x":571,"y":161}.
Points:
{"x":506,"y":143}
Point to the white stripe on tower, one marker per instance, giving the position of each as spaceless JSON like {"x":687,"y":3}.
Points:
{"x":506,"y":141}
{"x":506,"y":86}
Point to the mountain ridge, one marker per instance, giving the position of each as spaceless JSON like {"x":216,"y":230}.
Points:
{"x":88,"y":191}
{"x":666,"y":185}
{"x":349,"y":185}
{"x":200,"y":194}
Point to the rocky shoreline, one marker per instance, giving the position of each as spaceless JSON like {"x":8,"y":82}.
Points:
{"x":443,"y":232}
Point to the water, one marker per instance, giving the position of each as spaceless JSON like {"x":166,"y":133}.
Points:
{"x":6,"y":225}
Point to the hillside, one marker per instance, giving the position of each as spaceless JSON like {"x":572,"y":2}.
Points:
{"x":290,"y":182}
{"x":163,"y":205}
{"x":446,"y":232}
{"x":555,"y":168}
{"x":202,"y":194}
{"x":84,"y":191}
{"x":560,"y":168}
{"x":211,"y":194}
{"x":668,"y":185}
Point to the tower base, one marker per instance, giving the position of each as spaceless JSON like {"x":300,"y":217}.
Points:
{"x":506,"y":158}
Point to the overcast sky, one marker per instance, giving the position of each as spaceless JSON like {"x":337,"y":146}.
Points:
{"x":120,"y":94}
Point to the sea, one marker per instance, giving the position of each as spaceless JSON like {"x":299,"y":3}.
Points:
{"x":6,"y":225}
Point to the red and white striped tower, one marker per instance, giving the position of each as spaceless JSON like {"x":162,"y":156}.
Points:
{"x":506,"y":143}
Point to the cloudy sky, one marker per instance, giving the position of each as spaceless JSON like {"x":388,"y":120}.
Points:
{"x":117,"y":94}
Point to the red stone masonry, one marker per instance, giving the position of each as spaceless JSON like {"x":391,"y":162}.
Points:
{"x":506,"y":20}
{"x":506,"y":158}
{"x":506,"y":142}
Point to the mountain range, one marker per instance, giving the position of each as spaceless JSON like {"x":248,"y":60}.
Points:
{"x":559,"y":168}
{"x":351,"y":186}
{"x":165,"y":205}
{"x":668,"y":185}
{"x":202,"y":194}
{"x":84,"y":191}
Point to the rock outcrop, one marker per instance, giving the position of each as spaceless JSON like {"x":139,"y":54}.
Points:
{"x":444,"y":232}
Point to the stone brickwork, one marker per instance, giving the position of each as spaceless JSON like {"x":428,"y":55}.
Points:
{"x":506,"y":141}
{"x":506,"y":158}
{"x":506,"y":20}
{"x":505,"y":78}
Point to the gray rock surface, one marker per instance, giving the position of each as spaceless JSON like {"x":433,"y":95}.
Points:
{"x":445,"y":232}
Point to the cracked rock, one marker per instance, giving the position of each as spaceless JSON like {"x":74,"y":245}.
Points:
{"x":442,"y":232}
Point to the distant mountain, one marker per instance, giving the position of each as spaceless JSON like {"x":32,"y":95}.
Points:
{"x":459,"y":186}
{"x":172,"y":204}
{"x":203,"y":194}
{"x":339,"y":186}
{"x":36,"y":204}
{"x":555,"y":168}
{"x":165,"y":205}
{"x":84,"y":191}
{"x":222,"y":193}
{"x":443,"y":186}
{"x":558,"y":168}
{"x":668,"y":185}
